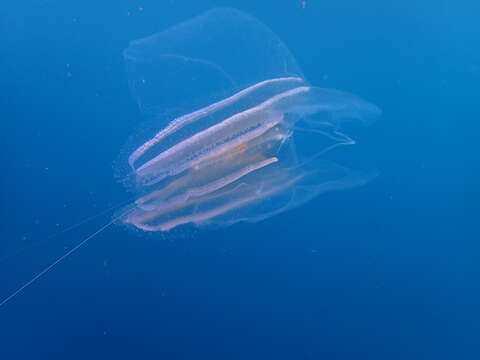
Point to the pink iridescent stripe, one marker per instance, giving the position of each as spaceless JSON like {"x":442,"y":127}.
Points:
{"x":180,"y":122}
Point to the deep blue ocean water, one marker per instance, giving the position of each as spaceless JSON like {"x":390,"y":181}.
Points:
{"x":385,"y":271}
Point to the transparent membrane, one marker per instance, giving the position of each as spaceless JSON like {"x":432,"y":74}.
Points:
{"x":240,"y":135}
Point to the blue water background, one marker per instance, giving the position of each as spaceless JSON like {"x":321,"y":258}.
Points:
{"x":386,"y":271}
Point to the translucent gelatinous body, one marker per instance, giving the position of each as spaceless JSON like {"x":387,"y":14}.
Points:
{"x":240,"y":106}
